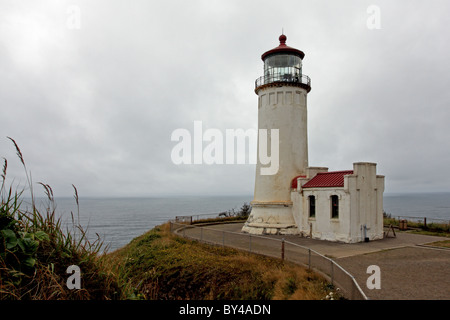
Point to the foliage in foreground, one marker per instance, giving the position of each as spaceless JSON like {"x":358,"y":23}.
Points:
{"x":160,"y":265}
{"x":35,"y":251}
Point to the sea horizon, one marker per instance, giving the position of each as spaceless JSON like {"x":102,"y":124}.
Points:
{"x":174,"y":195}
{"x":118,"y":220}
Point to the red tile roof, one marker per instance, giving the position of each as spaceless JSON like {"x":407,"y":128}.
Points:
{"x":328,"y":179}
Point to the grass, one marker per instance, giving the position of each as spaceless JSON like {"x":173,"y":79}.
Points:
{"x":443,"y":243}
{"x":432,"y":229}
{"x":430,"y":233}
{"x":161,"y":265}
{"x":221,"y":219}
{"x":35,"y":250}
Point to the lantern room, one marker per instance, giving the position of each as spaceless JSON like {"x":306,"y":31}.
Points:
{"x":283,"y":64}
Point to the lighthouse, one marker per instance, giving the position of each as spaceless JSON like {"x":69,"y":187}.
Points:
{"x":344,"y":206}
{"x":282,"y":109}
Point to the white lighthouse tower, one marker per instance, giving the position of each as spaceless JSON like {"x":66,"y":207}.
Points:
{"x":282,"y":92}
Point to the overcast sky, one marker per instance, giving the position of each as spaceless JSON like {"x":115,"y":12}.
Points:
{"x":92,"y":90}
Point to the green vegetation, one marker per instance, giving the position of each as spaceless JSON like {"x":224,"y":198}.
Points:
{"x":228,"y":216}
{"x":243,"y":212}
{"x":35,"y":251}
{"x":419,"y":227}
{"x":161,"y":265}
{"x":219,"y":219}
{"x":443,"y":244}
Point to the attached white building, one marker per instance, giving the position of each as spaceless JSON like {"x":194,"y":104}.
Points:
{"x":342,"y":206}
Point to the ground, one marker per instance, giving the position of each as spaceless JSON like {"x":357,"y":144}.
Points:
{"x":409,"y":268}
{"x":412,"y":272}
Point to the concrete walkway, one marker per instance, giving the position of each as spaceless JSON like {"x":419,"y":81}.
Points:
{"x":409,"y":270}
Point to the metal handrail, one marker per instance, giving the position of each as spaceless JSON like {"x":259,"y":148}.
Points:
{"x":336,"y":264}
{"x":355,"y":283}
{"x":291,"y":76}
{"x":426,"y":218}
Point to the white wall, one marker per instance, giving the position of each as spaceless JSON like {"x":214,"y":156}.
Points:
{"x":323,"y":226}
{"x":360,"y":203}
{"x":366,"y":189}
{"x":283,"y":108}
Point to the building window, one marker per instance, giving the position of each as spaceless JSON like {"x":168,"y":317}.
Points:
{"x":334,"y":207}
{"x":312,"y":206}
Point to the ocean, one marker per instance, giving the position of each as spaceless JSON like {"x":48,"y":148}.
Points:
{"x":119,"y":220}
{"x":433,"y":206}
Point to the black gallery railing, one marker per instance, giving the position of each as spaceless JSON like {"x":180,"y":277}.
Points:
{"x":287,"y":75}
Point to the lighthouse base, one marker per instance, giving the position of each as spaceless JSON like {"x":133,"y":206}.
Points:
{"x":271,"y":217}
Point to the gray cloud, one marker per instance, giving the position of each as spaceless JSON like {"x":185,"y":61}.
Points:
{"x":96,"y":107}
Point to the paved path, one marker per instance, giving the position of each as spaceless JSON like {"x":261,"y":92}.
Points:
{"x":409,"y":270}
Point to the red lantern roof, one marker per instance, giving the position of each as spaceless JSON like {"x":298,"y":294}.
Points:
{"x":283,"y":48}
{"x":327,"y":179}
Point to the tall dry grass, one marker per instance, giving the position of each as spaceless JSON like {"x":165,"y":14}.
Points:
{"x":36,"y":250}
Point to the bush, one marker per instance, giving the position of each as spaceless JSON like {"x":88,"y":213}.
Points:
{"x":242,"y":213}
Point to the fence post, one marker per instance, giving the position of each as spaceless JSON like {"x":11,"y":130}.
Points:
{"x":425,"y":222}
{"x":201,"y":234}
{"x":282,"y":249}
{"x":332,"y":272}
{"x":309,"y":258}
{"x":250,"y":242}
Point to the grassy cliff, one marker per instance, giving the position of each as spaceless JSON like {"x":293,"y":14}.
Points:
{"x":160,"y":265}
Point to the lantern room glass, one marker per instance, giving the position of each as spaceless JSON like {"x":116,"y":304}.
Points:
{"x":281,"y":67}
